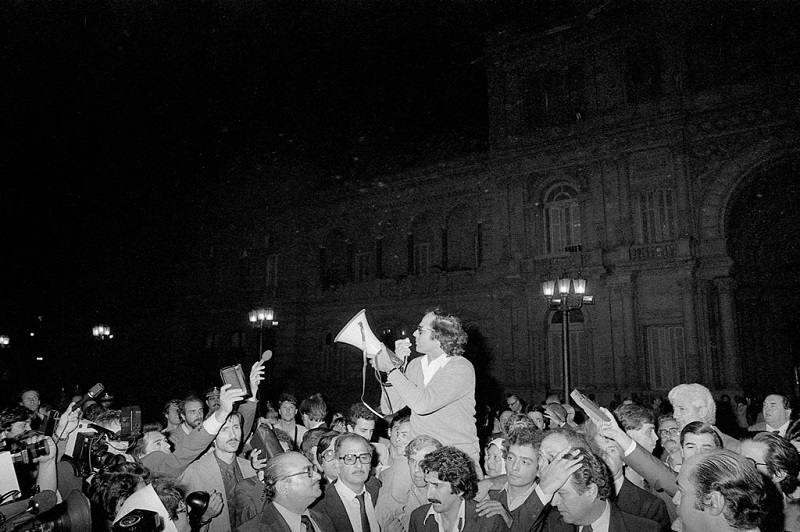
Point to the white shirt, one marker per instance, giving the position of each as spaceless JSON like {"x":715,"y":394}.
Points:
{"x":353,"y":507}
{"x":293,"y":519}
{"x":516,"y":502}
{"x":781,"y":430}
{"x":429,"y":368}
{"x":459,"y":525}
{"x":603,"y":522}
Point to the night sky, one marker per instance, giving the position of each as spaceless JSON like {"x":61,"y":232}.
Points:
{"x":118,"y":117}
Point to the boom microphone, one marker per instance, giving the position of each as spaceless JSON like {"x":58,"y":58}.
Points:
{"x":96,"y":390}
{"x":21,"y":512}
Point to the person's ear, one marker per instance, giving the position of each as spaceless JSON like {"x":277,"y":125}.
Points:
{"x":779,"y":476}
{"x":715,"y":503}
{"x":592,"y":490}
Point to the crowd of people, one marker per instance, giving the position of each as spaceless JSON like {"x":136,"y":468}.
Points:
{"x":217,"y":463}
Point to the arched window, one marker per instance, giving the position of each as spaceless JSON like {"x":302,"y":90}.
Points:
{"x":562,"y":220}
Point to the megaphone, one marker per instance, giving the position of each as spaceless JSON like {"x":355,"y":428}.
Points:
{"x":358,"y":333}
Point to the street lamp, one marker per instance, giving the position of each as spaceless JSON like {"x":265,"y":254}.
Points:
{"x":564,"y":301}
{"x":102,"y":332}
{"x":262,"y":317}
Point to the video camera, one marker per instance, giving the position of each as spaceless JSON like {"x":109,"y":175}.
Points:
{"x":41,"y":513}
{"x":139,"y":520}
{"x":24,"y":453}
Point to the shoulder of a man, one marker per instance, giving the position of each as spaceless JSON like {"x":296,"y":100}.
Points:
{"x":621,"y":520}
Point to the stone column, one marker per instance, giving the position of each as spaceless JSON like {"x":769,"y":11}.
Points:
{"x":730,"y":361}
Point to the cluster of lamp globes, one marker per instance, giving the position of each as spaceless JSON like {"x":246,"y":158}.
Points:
{"x":563,"y":285}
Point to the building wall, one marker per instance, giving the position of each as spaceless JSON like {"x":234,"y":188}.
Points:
{"x":655,"y":152}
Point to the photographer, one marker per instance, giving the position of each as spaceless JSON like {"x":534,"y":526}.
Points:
{"x":33,"y":453}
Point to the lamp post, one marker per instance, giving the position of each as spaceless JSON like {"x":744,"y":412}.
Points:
{"x":260,"y":318}
{"x":101,"y":333}
{"x":564,"y":301}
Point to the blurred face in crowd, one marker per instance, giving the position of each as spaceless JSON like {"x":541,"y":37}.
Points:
{"x":440,"y":494}
{"x":417,"y":476}
{"x":612,"y":454}
{"x":669,"y":434}
{"x":156,"y":441}
{"x":756,"y":451}
{"x":514,"y":403}
{"x":503,"y":419}
{"x":775,"y":413}
{"x":550,"y":447}
{"x":287,"y":411}
{"x":174,"y":414}
{"x":230,"y":436}
{"x":18,"y":428}
{"x":537,"y":418}
{"x":400,"y":436}
{"x":193,"y":412}
{"x":645,"y":436}
{"x":30,"y":400}
{"x":354,"y":475}
{"x":213,"y":402}
{"x":494,"y":461}
{"x":363,"y":427}
{"x":685,"y":412}
{"x":697,"y":443}
{"x":522,"y":465}
{"x":330,"y":464}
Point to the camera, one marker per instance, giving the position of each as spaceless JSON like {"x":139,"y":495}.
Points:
{"x":24,"y":453}
{"x":139,"y":520}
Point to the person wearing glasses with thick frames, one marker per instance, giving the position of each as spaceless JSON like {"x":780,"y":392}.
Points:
{"x":439,"y":387}
{"x":350,"y":501}
{"x":291,"y":485}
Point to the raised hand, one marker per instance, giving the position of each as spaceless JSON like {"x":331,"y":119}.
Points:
{"x":227,"y":398}
{"x":488,"y":508}
{"x":556,"y":473}
{"x":256,"y":376}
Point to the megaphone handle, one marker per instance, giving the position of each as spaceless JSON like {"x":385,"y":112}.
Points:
{"x":364,"y":374}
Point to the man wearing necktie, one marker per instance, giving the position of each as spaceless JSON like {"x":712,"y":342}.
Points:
{"x":292,"y":484}
{"x":350,"y":501}
{"x":777,"y":412}
{"x":583,"y":500}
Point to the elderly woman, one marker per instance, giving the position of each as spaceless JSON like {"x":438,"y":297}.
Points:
{"x":493,"y":462}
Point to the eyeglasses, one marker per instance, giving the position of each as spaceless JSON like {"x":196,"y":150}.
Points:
{"x":512,"y":403}
{"x":420,"y":329}
{"x":308,"y":470}
{"x":329,"y":455}
{"x":350,"y":459}
{"x":669,"y":432}
{"x":757,"y":463}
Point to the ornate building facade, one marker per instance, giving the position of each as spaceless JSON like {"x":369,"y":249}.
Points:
{"x":630,"y":146}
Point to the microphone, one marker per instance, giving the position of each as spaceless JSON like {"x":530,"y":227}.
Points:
{"x":27,"y":510}
{"x":95,"y":390}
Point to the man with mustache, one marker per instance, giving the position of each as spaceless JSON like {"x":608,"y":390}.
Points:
{"x":219,"y":471}
{"x":452,"y":486}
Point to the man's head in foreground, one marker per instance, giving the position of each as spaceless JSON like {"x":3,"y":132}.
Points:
{"x":451,"y":478}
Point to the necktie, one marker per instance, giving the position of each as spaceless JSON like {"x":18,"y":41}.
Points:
{"x":307,"y":523}
{"x":364,"y":519}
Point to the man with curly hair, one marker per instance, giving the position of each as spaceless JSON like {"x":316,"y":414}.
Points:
{"x":452,"y":486}
{"x":439,"y":387}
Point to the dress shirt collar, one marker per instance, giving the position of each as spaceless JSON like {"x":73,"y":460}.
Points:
{"x":781,"y":430}
{"x":519,"y":500}
{"x":346,"y":492}
{"x":430,"y":367}
{"x":438,"y":518}
{"x":603,"y":522}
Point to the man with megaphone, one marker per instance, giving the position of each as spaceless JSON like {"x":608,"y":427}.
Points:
{"x":439,"y":387}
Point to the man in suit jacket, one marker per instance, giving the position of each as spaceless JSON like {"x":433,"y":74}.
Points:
{"x":291,"y":484}
{"x":629,"y":497}
{"x":584,"y":499}
{"x":350,"y":501}
{"x":219,"y":471}
{"x":777,"y":410}
{"x":452,"y":486}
